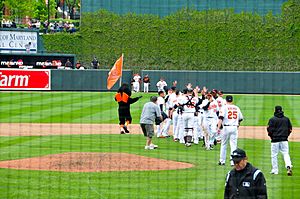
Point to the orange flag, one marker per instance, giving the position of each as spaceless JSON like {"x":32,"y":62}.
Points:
{"x":115,"y":73}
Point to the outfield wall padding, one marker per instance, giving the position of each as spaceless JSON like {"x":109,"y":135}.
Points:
{"x":229,"y":82}
{"x":83,"y":80}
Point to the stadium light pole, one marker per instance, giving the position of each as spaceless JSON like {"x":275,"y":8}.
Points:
{"x":48,"y":21}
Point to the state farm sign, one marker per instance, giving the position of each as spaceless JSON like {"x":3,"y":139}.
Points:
{"x":11,"y":79}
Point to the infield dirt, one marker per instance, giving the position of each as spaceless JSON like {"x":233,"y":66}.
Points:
{"x":38,"y":129}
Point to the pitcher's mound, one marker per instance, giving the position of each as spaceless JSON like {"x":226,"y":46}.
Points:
{"x":93,"y":162}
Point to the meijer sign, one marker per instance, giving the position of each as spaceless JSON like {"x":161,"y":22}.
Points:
{"x":11,"y":79}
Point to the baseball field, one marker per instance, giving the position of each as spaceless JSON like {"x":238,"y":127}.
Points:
{"x":67,"y":145}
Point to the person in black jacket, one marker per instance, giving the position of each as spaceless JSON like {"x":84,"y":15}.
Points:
{"x":124,"y":100}
{"x":279,"y":128}
{"x":244,"y":181}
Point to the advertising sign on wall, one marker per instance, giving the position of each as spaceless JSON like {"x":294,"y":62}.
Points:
{"x":18,"y":41}
{"x":36,"y":61}
{"x":14,"y":79}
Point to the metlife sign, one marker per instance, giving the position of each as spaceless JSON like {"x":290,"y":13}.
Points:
{"x":12,"y":41}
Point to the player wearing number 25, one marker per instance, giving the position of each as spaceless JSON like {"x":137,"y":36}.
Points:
{"x":230,"y":117}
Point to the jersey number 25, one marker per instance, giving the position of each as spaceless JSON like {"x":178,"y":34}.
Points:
{"x":232,"y":115}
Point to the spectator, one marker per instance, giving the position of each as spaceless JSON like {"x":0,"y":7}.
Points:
{"x":95,"y":63}
{"x":79,"y":66}
{"x":14,"y":25}
{"x":68,"y":64}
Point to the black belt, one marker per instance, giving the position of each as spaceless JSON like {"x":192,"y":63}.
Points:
{"x":209,"y":117}
{"x":229,"y":125}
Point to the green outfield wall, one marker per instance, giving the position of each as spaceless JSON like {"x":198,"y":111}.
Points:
{"x":229,"y":82}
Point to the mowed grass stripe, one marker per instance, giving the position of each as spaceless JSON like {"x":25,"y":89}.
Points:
{"x":15,"y":141}
{"x":294,"y":111}
{"x":251,"y":107}
{"x":19,"y":97}
{"x":49,"y":101}
{"x":58,"y":109}
{"x":100,"y":107}
{"x":69,"y":114}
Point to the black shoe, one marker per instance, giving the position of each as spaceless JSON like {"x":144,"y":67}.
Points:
{"x":122,"y":132}
{"x":221,"y":164}
{"x":125,"y":129}
{"x":289,"y":171}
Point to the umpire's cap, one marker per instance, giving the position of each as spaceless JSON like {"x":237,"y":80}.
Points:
{"x":229,"y":98}
{"x":237,"y":155}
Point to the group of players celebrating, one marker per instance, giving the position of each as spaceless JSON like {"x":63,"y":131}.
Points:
{"x":199,"y":114}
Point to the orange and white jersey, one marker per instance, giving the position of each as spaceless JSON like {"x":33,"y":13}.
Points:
{"x":231,"y":114}
{"x":172,"y":100}
{"x":212,"y":109}
{"x":188,"y":102}
{"x":137,"y":78}
{"x":161,"y":101}
{"x":160,"y":85}
{"x":221,"y":102}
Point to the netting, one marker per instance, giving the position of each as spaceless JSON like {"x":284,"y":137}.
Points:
{"x":76,"y":139}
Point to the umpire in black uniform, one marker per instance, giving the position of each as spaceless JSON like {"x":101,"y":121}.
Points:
{"x":244,"y":181}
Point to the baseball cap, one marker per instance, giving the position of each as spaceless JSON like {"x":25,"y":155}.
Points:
{"x":214,"y":91}
{"x":173,"y":88}
{"x":229,"y":98}
{"x":278,"y":109}
{"x":220,"y":92}
{"x":237,"y":155}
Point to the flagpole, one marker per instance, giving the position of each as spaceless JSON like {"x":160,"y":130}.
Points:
{"x":120,"y":80}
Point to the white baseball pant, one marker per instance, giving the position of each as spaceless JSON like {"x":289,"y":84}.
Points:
{"x":229,"y":133}
{"x":282,"y":147}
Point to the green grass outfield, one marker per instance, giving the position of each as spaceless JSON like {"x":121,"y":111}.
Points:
{"x":205,"y":180}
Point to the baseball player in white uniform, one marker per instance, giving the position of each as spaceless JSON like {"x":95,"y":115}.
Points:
{"x":198,"y":134}
{"x":161,"y":103}
{"x":230,"y":117}
{"x":221,"y":102}
{"x":136,"y":82}
{"x":210,"y":120}
{"x":177,"y":119}
{"x":170,"y":99}
{"x":161,"y":84}
{"x":188,"y":104}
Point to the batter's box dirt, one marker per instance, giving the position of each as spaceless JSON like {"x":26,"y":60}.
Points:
{"x":93,"y":162}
